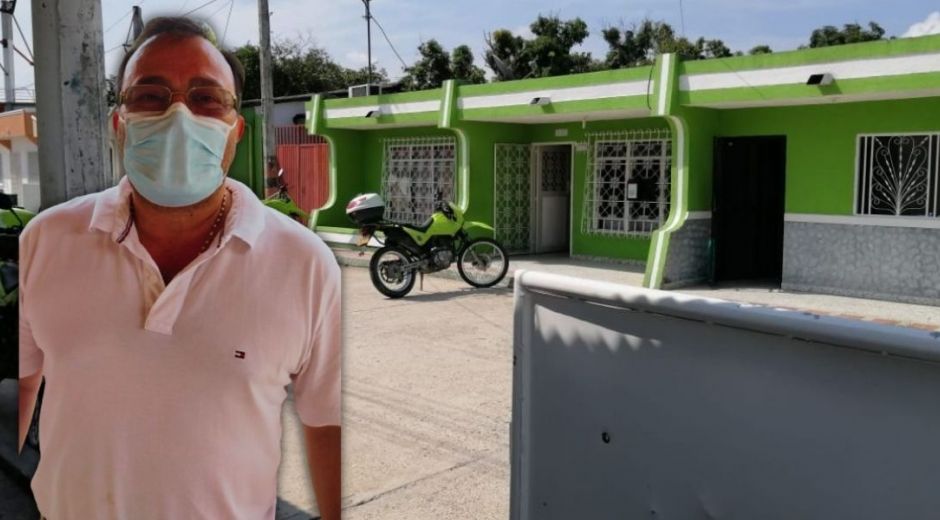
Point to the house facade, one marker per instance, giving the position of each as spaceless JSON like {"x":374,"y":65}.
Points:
{"x":19,"y":157}
{"x":815,"y":169}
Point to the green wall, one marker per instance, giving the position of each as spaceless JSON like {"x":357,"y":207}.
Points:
{"x":482,"y":139}
{"x":358,"y":157}
{"x":247,"y":166}
{"x":591,"y":244}
{"x":821,"y":143}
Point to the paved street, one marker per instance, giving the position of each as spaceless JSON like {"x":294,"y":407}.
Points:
{"x":426,"y":404}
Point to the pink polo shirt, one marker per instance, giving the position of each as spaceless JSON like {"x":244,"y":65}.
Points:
{"x":164,"y":402}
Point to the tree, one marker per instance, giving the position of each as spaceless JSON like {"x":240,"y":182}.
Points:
{"x":505,"y":55}
{"x":829,"y":35}
{"x":760,"y":49}
{"x":626,"y":48}
{"x":640,"y":45}
{"x":435,"y":66}
{"x":298,"y":67}
{"x":463,"y":68}
{"x":547,"y":53}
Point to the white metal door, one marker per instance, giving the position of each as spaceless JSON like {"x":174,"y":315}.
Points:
{"x":553,"y":167}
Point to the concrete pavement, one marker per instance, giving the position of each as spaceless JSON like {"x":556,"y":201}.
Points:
{"x":427,"y":386}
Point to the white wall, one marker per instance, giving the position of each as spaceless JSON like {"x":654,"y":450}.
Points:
{"x":284,"y":112}
{"x":24,"y":172}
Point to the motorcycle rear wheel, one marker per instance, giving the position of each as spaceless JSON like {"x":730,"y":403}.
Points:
{"x":385,"y":277}
{"x":482,"y":263}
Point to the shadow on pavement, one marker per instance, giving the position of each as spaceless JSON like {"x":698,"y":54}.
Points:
{"x":288,"y":511}
{"x":431,"y":296}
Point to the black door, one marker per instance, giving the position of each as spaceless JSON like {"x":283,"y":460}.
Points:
{"x":748,"y":206}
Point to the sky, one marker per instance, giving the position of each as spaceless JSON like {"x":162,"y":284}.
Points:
{"x":339,"y":27}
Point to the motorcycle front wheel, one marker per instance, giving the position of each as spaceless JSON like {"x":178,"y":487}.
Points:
{"x":482,"y":262}
{"x":387,"y":274}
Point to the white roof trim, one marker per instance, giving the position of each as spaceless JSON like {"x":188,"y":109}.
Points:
{"x":557,"y":95}
{"x":387,"y":109}
{"x":867,"y":68}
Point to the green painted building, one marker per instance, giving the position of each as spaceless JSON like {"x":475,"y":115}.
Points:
{"x":815,"y":169}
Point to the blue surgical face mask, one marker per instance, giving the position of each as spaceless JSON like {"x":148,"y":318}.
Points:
{"x":174,"y":159}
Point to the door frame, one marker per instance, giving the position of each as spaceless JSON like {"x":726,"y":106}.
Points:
{"x":535,"y":200}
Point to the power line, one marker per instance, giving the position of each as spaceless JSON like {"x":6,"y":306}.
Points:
{"x":403,"y":64}
{"x":210,"y":2}
{"x":112,"y":26}
{"x":25,"y":57}
{"x":231,"y":6}
{"x":116,"y":47}
{"x":25,"y":41}
{"x":219,"y":10}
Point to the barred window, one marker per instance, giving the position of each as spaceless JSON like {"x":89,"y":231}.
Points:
{"x":898,"y":175}
{"x":628,"y":182}
{"x":418,"y":173}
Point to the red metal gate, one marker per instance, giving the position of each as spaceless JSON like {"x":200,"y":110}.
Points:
{"x":305,"y":160}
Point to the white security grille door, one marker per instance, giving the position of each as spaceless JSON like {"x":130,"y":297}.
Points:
{"x":899,"y":175}
{"x":418,"y":173}
{"x":627,"y":188}
{"x":513,"y":197}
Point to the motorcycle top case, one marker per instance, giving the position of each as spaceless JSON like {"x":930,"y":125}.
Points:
{"x":366,"y":209}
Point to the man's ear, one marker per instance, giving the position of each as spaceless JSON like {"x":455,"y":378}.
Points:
{"x":241,"y":127}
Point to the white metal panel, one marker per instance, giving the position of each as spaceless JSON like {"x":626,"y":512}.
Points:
{"x":634,"y":403}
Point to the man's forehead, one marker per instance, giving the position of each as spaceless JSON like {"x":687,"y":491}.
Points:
{"x":169,"y":59}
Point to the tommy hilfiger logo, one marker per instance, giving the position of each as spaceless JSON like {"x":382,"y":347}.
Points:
{"x":240,"y":354}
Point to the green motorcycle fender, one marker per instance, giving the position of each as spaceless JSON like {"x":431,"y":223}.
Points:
{"x":287,"y":208}
{"x":478,"y":230}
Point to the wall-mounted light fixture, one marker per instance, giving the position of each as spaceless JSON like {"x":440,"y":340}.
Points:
{"x":541,"y":101}
{"x":820,"y":79}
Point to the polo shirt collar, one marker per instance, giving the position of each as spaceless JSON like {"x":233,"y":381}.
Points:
{"x":245,"y":219}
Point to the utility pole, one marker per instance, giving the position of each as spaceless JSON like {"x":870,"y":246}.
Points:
{"x":137,"y":23}
{"x":71,"y":99}
{"x":9,"y":82}
{"x":369,"y":40}
{"x":267,"y":96}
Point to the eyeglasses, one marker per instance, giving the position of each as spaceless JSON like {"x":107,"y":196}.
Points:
{"x":204,"y":101}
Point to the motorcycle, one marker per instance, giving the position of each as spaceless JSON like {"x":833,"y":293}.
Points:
{"x":12,"y":222}
{"x":409,"y":250}
{"x":281,"y":200}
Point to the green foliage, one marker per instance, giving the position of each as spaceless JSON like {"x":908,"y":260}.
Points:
{"x":547,"y":53}
{"x":760,"y":49}
{"x":640,"y":45}
{"x":850,"y":33}
{"x":301,"y":68}
{"x":462,"y":67}
{"x":435,"y":66}
{"x":298,"y":67}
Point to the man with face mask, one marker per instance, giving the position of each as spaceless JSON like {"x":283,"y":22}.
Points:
{"x":168,"y":314}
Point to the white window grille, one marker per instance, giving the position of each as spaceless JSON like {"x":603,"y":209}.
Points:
{"x":898,"y":174}
{"x":418,"y":173}
{"x":627,"y":188}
